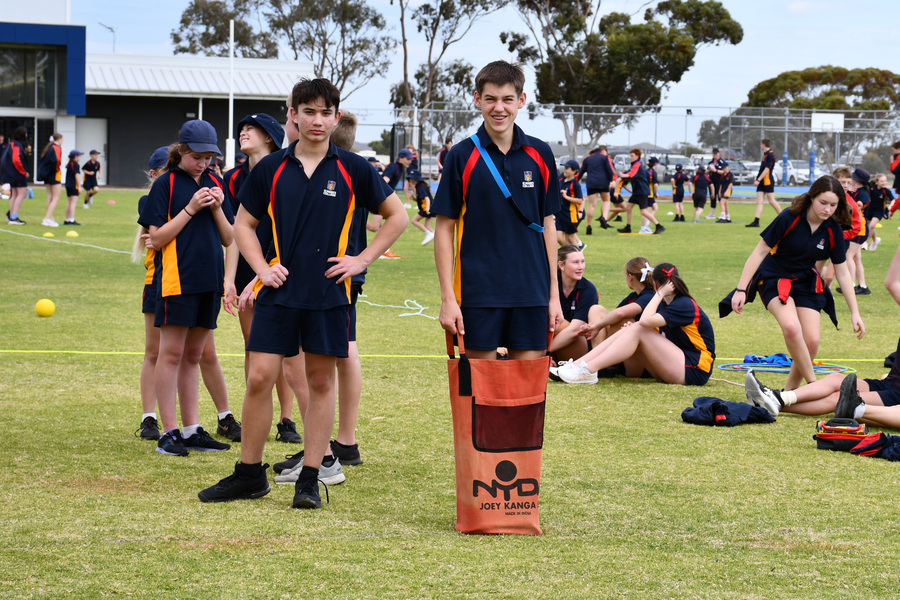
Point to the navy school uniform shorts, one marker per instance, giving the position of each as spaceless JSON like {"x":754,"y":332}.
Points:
{"x":514,"y":328}
{"x":189,"y":310}
{"x":803,"y":293}
{"x":566,"y":226}
{"x":71,"y":191}
{"x":768,"y":189}
{"x":597,"y":190}
{"x":699,"y":200}
{"x":641,"y":201}
{"x":890,"y":396}
{"x":148,"y":302}
{"x":355,"y":291}
{"x":678,"y":197}
{"x":279,"y":329}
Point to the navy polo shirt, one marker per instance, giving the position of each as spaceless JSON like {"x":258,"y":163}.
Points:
{"x":578,"y":304}
{"x":313,"y":219}
{"x":640,"y":180}
{"x":642,"y":299}
{"x":393,"y":172}
{"x":862,"y":195}
{"x":193,"y":261}
{"x":726,"y":180}
{"x":714,"y":177}
{"x":768,"y":161}
{"x":688,"y":327}
{"x":234,"y":179}
{"x":599,"y":172}
{"x":73,"y":169}
{"x":795,"y":248}
{"x":680,"y":179}
{"x":93,"y":166}
{"x":151,"y":258}
{"x":701,"y":184}
{"x":500,"y":262}
{"x":569,"y":211}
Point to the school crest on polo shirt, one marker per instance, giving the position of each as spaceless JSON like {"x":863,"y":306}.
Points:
{"x":529,"y":180}
{"x":821,"y":244}
{"x":329,"y":190}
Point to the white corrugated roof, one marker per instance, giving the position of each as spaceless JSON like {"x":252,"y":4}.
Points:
{"x":191,"y":76}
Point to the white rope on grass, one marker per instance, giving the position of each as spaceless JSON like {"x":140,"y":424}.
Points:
{"x":407,"y":304}
{"x":42,"y":238}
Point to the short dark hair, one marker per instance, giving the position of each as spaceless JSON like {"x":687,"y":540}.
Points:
{"x":896,"y":145}
{"x":309,"y":90}
{"x":636,"y":151}
{"x":20,"y":134}
{"x":766,"y":142}
{"x":501,"y":72}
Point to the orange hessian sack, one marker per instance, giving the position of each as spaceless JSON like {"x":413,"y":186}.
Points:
{"x":498,"y":436}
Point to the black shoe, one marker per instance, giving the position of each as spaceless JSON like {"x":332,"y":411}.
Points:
{"x":149,"y":429}
{"x":753,"y":223}
{"x":862,"y":291}
{"x":626,"y":229}
{"x":604,"y":223}
{"x":838,"y":290}
{"x":581,"y":247}
{"x":659,"y":229}
{"x":172,"y":443}
{"x":290,"y":463}
{"x":204,"y":442}
{"x":306,"y":491}
{"x":72,"y":222}
{"x":246,"y":483}
{"x":588,"y":231}
{"x":229,"y":428}
{"x":348,"y":455}
{"x":848,"y":399}
{"x":618,"y":218}
{"x":287,"y":432}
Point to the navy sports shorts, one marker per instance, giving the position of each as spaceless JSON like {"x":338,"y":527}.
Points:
{"x":515,"y":328}
{"x":803,"y":293}
{"x":890,"y":396}
{"x":699,"y":200}
{"x":597,"y":190}
{"x":694,"y":375}
{"x":768,"y":189}
{"x":189,"y":310}
{"x":18,"y":182}
{"x":355,"y":291}
{"x":279,"y":329}
{"x":641,"y":201}
{"x":71,"y":191}
{"x":148,"y":302}
{"x":678,"y":197}
{"x":565,"y":226}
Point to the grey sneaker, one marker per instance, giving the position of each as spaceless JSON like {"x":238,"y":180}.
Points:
{"x":329,"y":473}
{"x":760,"y":395}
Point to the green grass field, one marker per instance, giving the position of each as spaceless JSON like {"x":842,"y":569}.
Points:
{"x":634,"y":504}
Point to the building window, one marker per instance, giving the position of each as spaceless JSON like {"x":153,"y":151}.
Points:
{"x":30,"y":77}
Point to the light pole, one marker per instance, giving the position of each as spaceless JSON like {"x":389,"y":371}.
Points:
{"x":113,"y":32}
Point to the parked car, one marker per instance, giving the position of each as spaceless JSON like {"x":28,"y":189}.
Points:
{"x":793,"y":177}
{"x":429,"y":167}
{"x":667,"y":162}
{"x":742,"y":171}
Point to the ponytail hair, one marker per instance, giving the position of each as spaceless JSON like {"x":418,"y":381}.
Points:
{"x":563,"y":253}
{"x":175,"y":152}
{"x":637,"y":268}
{"x":53,"y":138}
{"x":664,"y":272}
{"x":822,"y":185}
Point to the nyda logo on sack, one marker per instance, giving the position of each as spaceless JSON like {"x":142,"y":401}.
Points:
{"x":506,"y":482}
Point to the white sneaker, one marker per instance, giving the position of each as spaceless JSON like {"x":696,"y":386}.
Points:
{"x":874,"y":244}
{"x":710,"y":216}
{"x":554,"y":371}
{"x":760,"y":395}
{"x":576,"y":373}
{"x":646,"y":230}
{"x":86,"y":205}
{"x":429,"y":235}
{"x":330,"y":475}
{"x":49,"y":223}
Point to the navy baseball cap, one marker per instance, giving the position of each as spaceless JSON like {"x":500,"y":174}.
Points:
{"x":159,"y":158}
{"x":267,"y":123}
{"x":861,"y":175}
{"x":653,"y":160}
{"x":94,"y":152}
{"x":199,"y":136}
{"x":415,"y":175}
{"x":678,"y":166}
{"x":572,"y":164}
{"x":76,"y":152}
{"x":404,"y":153}
{"x":372,"y":159}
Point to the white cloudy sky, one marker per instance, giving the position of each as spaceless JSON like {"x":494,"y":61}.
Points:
{"x":778,"y":36}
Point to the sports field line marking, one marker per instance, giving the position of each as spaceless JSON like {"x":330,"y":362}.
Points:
{"x":407,"y":304}
{"x":229,"y":355}
{"x":42,"y":238}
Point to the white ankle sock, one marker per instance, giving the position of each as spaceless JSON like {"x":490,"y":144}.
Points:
{"x":859,"y":411}
{"x":189,"y":430}
{"x":222,"y":415}
{"x":151,"y":414}
{"x":789,"y":397}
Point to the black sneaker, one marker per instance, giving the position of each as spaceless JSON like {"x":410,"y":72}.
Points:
{"x":753,"y":223}
{"x":172,"y":443}
{"x":306,"y":492}
{"x":588,"y":230}
{"x":290,"y":463}
{"x":618,"y":218}
{"x":287,"y":432}
{"x":848,"y":399}
{"x":659,"y":229}
{"x":246,"y":483}
{"x":204,"y":442}
{"x":626,"y":229}
{"x":72,"y":222}
{"x":348,"y":455}
{"x":862,"y":291}
{"x":604,"y":223}
{"x":16,"y":221}
{"x":229,"y":428}
{"x":149,"y":429}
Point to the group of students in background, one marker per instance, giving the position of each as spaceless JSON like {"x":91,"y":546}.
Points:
{"x":13,"y":172}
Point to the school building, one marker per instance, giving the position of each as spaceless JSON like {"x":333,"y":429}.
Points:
{"x":122,"y":105}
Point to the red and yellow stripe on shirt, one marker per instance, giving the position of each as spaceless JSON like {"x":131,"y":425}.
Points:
{"x":171,"y":278}
{"x":693,"y":332}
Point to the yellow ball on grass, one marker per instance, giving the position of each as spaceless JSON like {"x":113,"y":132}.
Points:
{"x":44,"y":307}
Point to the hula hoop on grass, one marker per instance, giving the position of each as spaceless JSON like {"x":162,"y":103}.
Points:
{"x":820,"y":369}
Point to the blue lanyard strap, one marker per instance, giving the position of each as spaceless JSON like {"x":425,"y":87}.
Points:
{"x":502,"y":184}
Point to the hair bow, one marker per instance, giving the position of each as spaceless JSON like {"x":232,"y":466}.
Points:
{"x":646,"y":272}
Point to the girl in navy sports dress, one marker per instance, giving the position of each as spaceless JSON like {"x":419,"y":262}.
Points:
{"x":782,"y":271}
{"x":579,"y":303}
{"x":50,"y":172}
